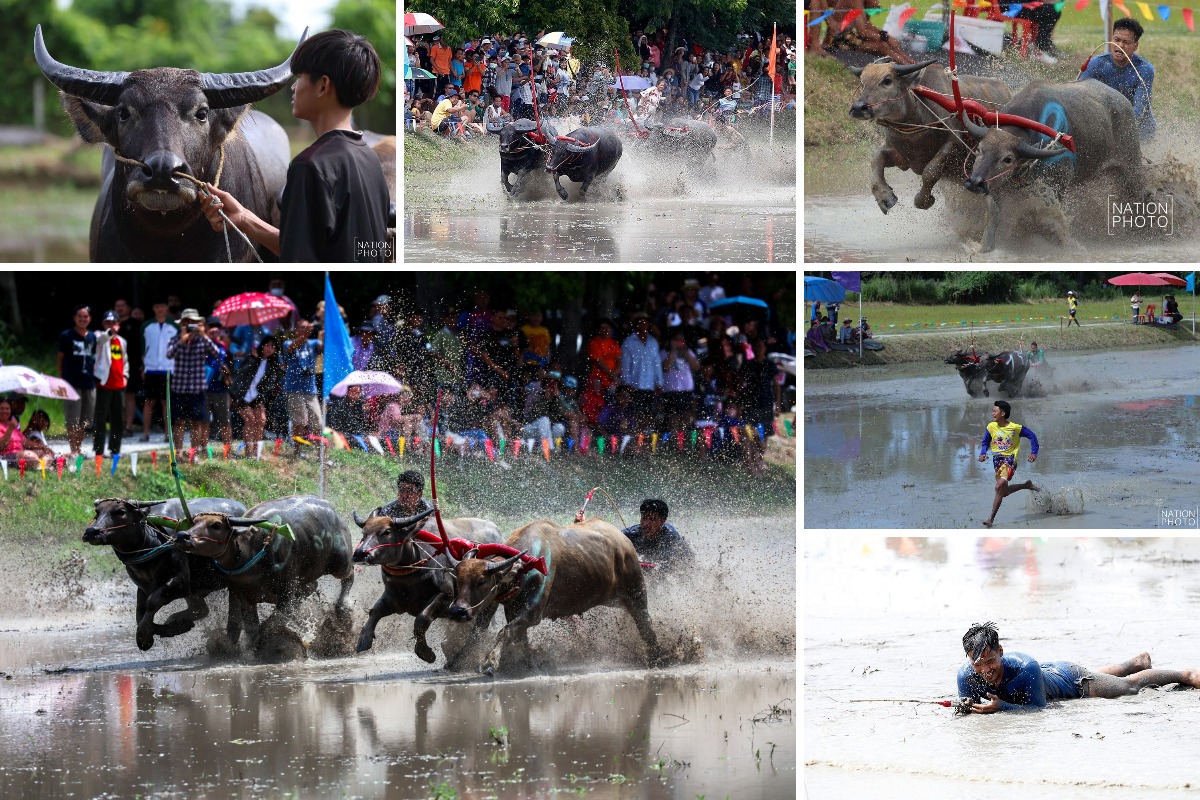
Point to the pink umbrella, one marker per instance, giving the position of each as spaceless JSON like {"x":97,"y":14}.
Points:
{"x":421,"y":23}
{"x":24,"y":380}
{"x":373,"y":383}
{"x":251,"y":308}
{"x":1147,"y":279}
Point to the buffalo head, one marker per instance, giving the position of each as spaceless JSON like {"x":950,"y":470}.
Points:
{"x":519,"y":136}
{"x":211,"y":535}
{"x":388,"y":540}
{"x":116,"y":519}
{"x":169,"y":120}
{"x":884,"y":88}
{"x":998,"y":154}
{"x":478,"y":584}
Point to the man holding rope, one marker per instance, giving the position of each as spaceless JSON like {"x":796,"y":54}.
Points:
{"x":1128,"y":73}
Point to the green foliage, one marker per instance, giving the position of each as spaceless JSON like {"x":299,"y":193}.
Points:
{"x":376,"y":20}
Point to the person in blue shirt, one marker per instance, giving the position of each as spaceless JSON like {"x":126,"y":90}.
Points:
{"x":1128,"y":73}
{"x":299,"y":357}
{"x":994,"y":681}
{"x":658,"y":542}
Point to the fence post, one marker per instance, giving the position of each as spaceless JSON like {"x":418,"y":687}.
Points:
{"x":39,"y":105}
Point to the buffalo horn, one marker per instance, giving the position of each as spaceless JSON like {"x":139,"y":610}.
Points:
{"x":497,"y":566}
{"x":358,"y":520}
{"x":909,"y":69}
{"x":978,"y":131}
{"x":226,"y":90}
{"x":146,"y":503}
{"x":1026,"y":150}
{"x":247,"y":522}
{"x":856,"y":70}
{"x":404,"y":522}
{"x":99,"y":87}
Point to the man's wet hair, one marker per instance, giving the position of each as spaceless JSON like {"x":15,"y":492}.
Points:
{"x":412,"y":478}
{"x":347,"y":58}
{"x":1131,"y":25}
{"x":1005,"y":407}
{"x":980,"y":637}
{"x":656,"y":507}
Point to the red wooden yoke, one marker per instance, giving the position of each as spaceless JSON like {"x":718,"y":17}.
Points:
{"x":459,"y":548}
{"x":991,"y":118}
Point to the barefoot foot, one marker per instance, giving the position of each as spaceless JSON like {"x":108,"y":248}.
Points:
{"x":1141,"y":661}
{"x":987,"y":523}
{"x":1029,"y":485}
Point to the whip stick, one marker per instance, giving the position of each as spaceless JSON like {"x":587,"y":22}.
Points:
{"x":943,"y":703}
{"x":174,"y":465}
{"x":958,"y":103}
{"x":621,"y":83}
{"x":437,"y":512}
{"x":536,"y":114}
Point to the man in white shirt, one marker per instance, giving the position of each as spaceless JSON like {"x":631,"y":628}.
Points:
{"x":156,"y":364}
{"x":641,"y":369}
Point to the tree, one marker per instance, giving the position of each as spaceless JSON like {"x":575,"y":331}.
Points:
{"x":376,"y":20}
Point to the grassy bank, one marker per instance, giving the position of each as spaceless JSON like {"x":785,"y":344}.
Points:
{"x":933,"y":347}
{"x":34,"y":511}
{"x":894,"y":318}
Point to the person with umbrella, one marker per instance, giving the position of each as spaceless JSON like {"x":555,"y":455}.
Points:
{"x":13,"y":444}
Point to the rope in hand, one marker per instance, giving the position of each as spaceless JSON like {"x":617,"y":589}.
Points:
{"x":204,"y":194}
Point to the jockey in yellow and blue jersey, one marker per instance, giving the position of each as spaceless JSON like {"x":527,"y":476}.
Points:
{"x":1003,"y":437}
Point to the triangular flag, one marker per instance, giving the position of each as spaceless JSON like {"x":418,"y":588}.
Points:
{"x":694,"y":436}
{"x":116,"y":457}
{"x":437,"y":448}
{"x":653,"y":442}
{"x":821,"y":18}
{"x":850,"y":17}
{"x":546,"y":448}
{"x":1187,"y":20}
{"x":362,"y":441}
{"x":490,"y":449}
{"x":906,"y":15}
{"x":78,"y":464}
{"x":1164,"y":12}
{"x":787,"y":423}
{"x":1013,"y":10}
{"x":210,"y":451}
{"x":679,"y":439}
{"x":708,"y":434}
{"x":1121,"y":6}
{"x":21,"y":468}
{"x":154,"y":459}
{"x":1145,"y":7}
{"x":600,"y":444}
{"x":749,"y":432}
{"x":4,"y":466}
{"x":258,"y":447}
{"x":374,"y":440}
{"x":278,"y":446}
{"x":641,"y":439}
{"x":99,"y":461}
{"x":762,"y":434}
{"x":42,"y":467}
{"x":585,"y":442}
{"x":400,"y":444}
{"x":873,"y":11}
{"x":558,"y":443}
{"x":225,"y":452}
{"x":625,"y":442}
{"x":1058,"y":7}
{"x":734,"y":431}
{"x":613,"y":442}
{"x":59,"y":463}
{"x":570,"y":444}
{"x":133,"y":463}
{"x":191,"y":455}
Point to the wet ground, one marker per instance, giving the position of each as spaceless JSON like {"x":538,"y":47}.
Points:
{"x":896,"y":447}
{"x":85,"y":714}
{"x":738,"y":207}
{"x":884,"y":619}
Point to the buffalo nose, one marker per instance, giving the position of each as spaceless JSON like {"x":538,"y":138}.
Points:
{"x":858,"y":109}
{"x":91,"y":534}
{"x":183,"y":536}
{"x":977,"y":185}
{"x":359,"y":556}
{"x":160,"y":166}
{"x":458,"y":613}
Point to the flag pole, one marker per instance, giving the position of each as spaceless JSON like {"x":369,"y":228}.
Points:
{"x":321,"y":446}
{"x":771,"y":137}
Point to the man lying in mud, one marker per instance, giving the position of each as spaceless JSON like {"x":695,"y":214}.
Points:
{"x":1004,"y":438}
{"x":993,"y":681}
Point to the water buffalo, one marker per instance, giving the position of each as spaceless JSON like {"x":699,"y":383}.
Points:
{"x":689,"y":137}
{"x":165,"y":121}
{"x":417,"y":579}
{"x":588,"y":564}
{"x":266,"y":567}
{"x":1007,"y":369}
{"x":1010,"y":158}
{"x":161,"y":573}
{"x":973,"y":375}
{"x":918,"y":135}
{"x":583,"y":155}
{"x":522,"y":151}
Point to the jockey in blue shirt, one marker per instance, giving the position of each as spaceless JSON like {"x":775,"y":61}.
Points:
{"x":1128,"y":73}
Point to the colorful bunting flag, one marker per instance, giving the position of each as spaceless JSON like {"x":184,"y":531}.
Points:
{"x":1145,"y":9}
{"x":61,"y":462}
{"x":21,"y":468}
{"x":133,"y":458}
{"x":906,"y":15}
{"x":99,"y":461}
{"x":546,"y":448}
{"x":116,"y":460}
{"x":821,"y":19}
{"x":1187,"y":20}
{"x":4,"y":466}
{"x":850,"y":17}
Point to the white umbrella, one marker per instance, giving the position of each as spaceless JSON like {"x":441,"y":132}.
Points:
{"x":407,"y":42}
{"x":633,"y":83}
{"x":421,"y":23}
{"x":372,"y":382}
{"x":556,"y":41}
{"x":24,"y":380}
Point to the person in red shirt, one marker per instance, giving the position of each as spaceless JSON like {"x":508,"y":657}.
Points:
{"x":112,"y":376}
{"x":591,"y":402}
{"x":473,"y":76}
{"x":604,"y":353}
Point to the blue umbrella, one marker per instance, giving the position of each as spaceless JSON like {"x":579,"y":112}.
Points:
{"x":741,"y":308}
{"x":823,"y":289}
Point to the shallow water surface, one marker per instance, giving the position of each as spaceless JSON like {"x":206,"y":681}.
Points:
{"x":884,"y":618}
{"x":1119,"y":430}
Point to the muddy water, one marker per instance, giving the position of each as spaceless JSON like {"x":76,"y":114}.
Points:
{"x":736,"y":208}
{"x":591,"y":719}
{"x":883,"y":618}
{"x":1119,"y":430}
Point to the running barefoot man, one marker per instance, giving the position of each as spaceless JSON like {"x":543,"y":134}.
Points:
{"x":1015,"y":682}
{"x":1004,"y":437}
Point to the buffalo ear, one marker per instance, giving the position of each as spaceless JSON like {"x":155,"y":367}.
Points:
{"x":224,"y":123}
{"x":95,"y":123}
{"x":856,"y":70}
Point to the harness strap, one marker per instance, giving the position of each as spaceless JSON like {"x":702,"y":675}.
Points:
{"x":509,"y":595}
{"x":154,"y":553}
{"x":247,"y":566}
{"x":400,"y":572}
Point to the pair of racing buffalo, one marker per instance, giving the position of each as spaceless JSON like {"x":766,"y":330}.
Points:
{"x":1008,"y":162}
{"x":276,"y":552}
{"x":1008,"y":369}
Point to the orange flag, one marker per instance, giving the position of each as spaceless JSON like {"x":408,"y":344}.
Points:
{"x":546,"y":448}
{"x":771,"y":60}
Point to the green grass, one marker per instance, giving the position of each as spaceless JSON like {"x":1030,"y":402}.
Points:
{"x":33,"y":509}
{"x":921,"y":318}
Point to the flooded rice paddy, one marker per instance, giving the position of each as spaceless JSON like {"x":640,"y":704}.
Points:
{"x":884,"y":619}
{"x":738,"y":207}
{"x":896,"y":447}
{"x":83,"y":713}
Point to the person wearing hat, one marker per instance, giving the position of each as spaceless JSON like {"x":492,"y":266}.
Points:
{"x":1072,"y":307}
{"x":76,"y":351}
{"x":363,"y":344}
{"x":440,"y":57}
{"x":383,"y":355}
{"x":504,"y":82}
{"x":191,"y":349}
{"x":112,"y":376}
{"x":449,"y":113}
{"x":410,"y":484}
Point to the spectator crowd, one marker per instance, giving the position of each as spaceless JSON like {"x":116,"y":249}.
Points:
{"x":487,"y":82}
{"x":671,"y":364}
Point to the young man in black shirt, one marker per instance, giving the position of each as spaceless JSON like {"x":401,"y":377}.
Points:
{"x":335,"y":202}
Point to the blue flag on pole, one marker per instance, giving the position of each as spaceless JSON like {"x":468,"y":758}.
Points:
{"x":850,"y":281}
{"x":337,"y":342}
{"x":1191,"y":282}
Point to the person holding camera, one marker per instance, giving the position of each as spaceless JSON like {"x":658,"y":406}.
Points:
{"x":679,"y":366}
{"x":190,"y":349}
{"x":300,"y":382}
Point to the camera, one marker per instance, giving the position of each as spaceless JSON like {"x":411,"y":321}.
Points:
{"x":192,"y":328}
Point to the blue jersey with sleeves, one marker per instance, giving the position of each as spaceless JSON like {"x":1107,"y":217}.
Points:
{"x":1025,"y":685}
{"x":1126,"y":82}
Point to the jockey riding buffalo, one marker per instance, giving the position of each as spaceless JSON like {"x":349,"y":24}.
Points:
{"x":583,"y":155}
{"x":588,"y":564}
{"x":417,"y":579}
{"x":265,"y":566}
{"x":1007,"y":369}
{"x":161,"y":573}
{"x":1011,"y":158}
{"x":159,"y":123}
{"x":973,"y":375}
{"x":522,"y":150}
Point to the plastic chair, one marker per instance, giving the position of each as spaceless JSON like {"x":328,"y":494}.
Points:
{"x":1149,"y":315}
{"x":1028,"y":27}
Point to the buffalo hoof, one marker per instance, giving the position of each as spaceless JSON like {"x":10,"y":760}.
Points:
{"x":145,"y":642}
{"x":885,"y":200}
{"x":489,"y":670}
{"x":425,"y":653}
{"x":364,"y":644}
{"x":562,"y":193}
{"x":174,"y":628}
{"x":924,"y":201}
